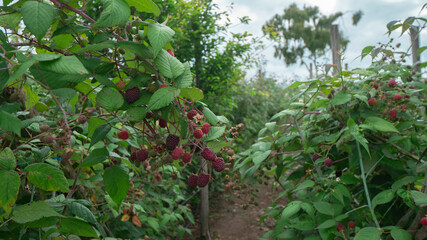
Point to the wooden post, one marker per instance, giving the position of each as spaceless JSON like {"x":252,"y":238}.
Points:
{"x":346,"y":66}
{"x":204,"y":206}
{"x":311,"y":71}
{"x":335,"y":46}
{"x":415,"y":42}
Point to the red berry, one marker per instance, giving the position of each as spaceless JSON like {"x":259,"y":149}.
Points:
{"x":132,"y":95}
{"x":176,"y":153}
{"x":351,"y":224}
{"x":142,"y":155}
{"x":171,"y":53}
{"x":120,"y":85}
{"x":372,"y":101}
{"x":203,"y":180}
{"x":393,"y":114}
{"x":424,"y":221}
{"x":192,"y":181}
{"x":329,"y":162}
{"x":123,"y":135}
{"x":205,"y":128}
{"x":315,"y":157}
{"x":392,"y":83}
{"x":171,"y":142}
{"x":218,"y":164}
{"x":191,"y":114}
{"x":133,"y":156}
{"x":125,"y":211}
{"x":340,"y":227}
{"x":163,"y":85}
{"x":198,"y":133}
{"x":162,"y":123}
{"x":208,"y":154}
{"x":397,"y":96}
{"x":186,"y":157}
{"x":376,"y":86}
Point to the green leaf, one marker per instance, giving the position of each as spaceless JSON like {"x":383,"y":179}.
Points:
{"x":214,"y":133}
{"x":341,"y":98}
{"x":403,"y":181}
{"x":10,"y":21}
{"x":304,"y":185}
{"x":291,"y":209}
{"x":381,"y":124}
{"x":81,"y":211}
{"x":285,"y":113}
{"x":383,"y":197}
{"x":137,"y":48}
{"x":96,"y":156}
{"x":7,"y":159}
{"x":10,"y":183}
{"x":162,"y":98}
{"x":367,"y":50}
{"x":77,"y":227}
{"x":116,"y":182}
{"x":324,"y":208}
{"x":169,"y":66}
{"x":45,"y":57}
{"x":144,"y":6}
{"x":327,"y":224}
{"x":419,"y":198}
{"x":115,"y":12}
{"x":368,"y":233}
{"x":136,"y":114}
{"x":42,"y":222}
{"x":97,"y":47}
{"x":358,"y":136}
{"x":153,"y":223}
{"x":193,"y":94}
{"x":218,"y":146}
{"x":99,"y":133}
{"x":33,"y":211}
{"x":110,"y":99}
{"x":210,"y":116}
{"x":68,"y":65}
{"x":46,"y":177}
{"x":400,"y":234}
{"x":260,"y":156}
{"x":18,"y":73}
{"x":185,"y":80}
{"x":158,"y":35}
{"x":10,"y":123}
{"x":38,"y":17}
{"x":94,"y":122}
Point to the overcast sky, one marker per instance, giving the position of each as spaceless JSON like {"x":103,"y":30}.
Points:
{"x":370,"y":30}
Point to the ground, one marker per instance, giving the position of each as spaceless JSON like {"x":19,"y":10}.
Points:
{"x":232,"y":218}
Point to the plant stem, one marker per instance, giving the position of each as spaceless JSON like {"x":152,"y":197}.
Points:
{"x":365,"y":186}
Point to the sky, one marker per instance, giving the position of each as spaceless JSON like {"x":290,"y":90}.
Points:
{"x":370,"y":30}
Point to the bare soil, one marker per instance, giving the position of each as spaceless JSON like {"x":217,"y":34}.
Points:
{"x":232,"y":217}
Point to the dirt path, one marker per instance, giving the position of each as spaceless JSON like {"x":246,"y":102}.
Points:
{"x":233,"y":218}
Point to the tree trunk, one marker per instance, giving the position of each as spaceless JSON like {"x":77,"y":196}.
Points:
{"x":335,"y":49}
{"x":415,"y":42}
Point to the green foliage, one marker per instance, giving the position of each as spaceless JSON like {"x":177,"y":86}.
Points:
{"x":378,"y":187}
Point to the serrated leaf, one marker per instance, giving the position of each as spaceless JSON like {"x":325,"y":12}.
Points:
{"x":77,"y":227}
{"x":110,"y":99}
{"x":403,"y":181}
{"x":68,"y":65}
{"x":327,"y":224}
{"x":144,"y":6}
{"x":10,"y":21}
{"x":285,"y":113}
{"x":45,"y":57}
{"x":291,"y":209}
{"x":162,"y":98}
{"x":324,"y":208}
{"x":368,"y":233}
{"x":304,"y":185}
{"x":193,"y":94}
{"x":99,"y":133}
{"x":137,"y":48}
{"x":97,"y":47}
{"x":185,"y":80}
{"x":153,"y":223}
{"x":115,"y":12}
{"x":96,"y":156}
{"x":32,"y":212}
{"x":383,"y":197}
{"x":42,"y":222}
{"x":260,"y":156}
{"x":10,"y":123}
{"x":169,"y":66}
{"x":400,"y":234}
{"x":358,"y":136}
{"x":158,"y":35}
{"x":136,"y":114}
{"x":38,"y":17}
{"x":210,"y":116}
{"x":7,"y":159}
{"x":381,"y":124}
{"x":214,"y":133}
{"x":10,"y":183}
{"x":81,"y":211}
{"x":341,"y":98}
{"x":419,"y":198}
{"x":46,"y":177}
{"x":116,"y":182}
{"x":218,"y":146}
{"x":18,"y":73}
